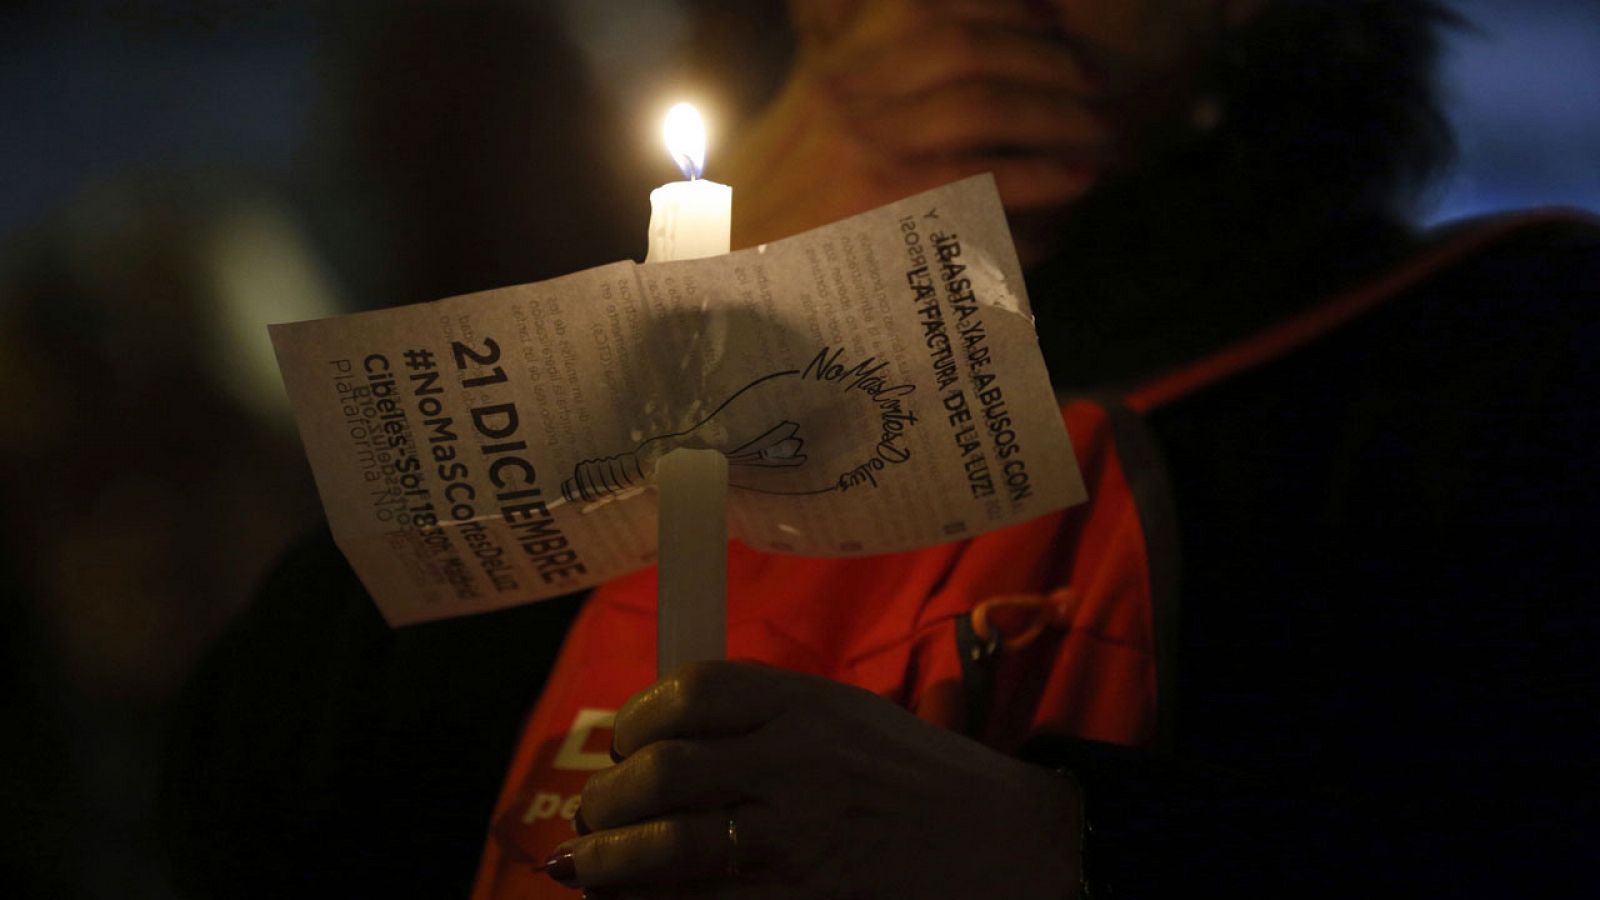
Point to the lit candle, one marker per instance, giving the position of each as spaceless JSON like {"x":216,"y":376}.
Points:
{"x":690,"y":219}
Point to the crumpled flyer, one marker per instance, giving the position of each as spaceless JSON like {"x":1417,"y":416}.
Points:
{"x":876,"y":385}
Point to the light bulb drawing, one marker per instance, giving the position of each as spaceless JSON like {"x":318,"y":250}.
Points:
{"x":779,"y":445}
{"x":830,"y":426}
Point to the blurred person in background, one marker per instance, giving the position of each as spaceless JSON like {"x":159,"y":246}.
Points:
{"x":1380,"y":672}
{"x":150,"y":476}
{"x":215,"y":167}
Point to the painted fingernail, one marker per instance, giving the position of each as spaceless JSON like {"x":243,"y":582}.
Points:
{"x":578,"y":824}
{"x":562,"y":867}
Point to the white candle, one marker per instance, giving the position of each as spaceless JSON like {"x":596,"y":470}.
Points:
{"x":692,"y":546}
{"x":690,"y":219}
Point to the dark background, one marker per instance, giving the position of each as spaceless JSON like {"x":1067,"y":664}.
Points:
{"x":178,"y":174}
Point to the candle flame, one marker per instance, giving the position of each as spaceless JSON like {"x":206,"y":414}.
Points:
{"x":685,"y":132}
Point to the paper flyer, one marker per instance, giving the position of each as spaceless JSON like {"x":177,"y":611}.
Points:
{"x":875,"y":384}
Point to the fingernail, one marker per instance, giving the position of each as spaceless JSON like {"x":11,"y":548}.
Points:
{"x":562,"y":867}
{"x":578,"y":824}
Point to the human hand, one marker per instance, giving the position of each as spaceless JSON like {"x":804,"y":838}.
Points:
{"x":832,"y":792}
{"x":893,"y":97}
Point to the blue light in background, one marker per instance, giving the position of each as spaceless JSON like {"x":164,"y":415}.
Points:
{"x":89,"y":94}
{"x":1523,"y":88}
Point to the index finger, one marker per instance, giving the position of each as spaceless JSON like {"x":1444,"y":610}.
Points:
{"x":701,"y":700}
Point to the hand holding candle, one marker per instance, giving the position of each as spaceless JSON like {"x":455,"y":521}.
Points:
{"x":688,"y":220}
